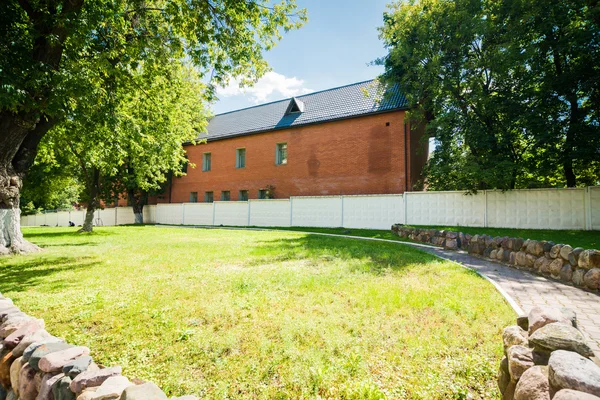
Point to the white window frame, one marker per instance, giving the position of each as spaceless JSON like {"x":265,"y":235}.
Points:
{"x":238,"y":159}
{"x":278,"y":157}
{"x":204,"y":163}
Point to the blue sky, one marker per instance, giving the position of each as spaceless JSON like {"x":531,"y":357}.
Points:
{"x":333,"y":49}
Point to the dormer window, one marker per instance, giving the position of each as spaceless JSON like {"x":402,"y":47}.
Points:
{"x":296,"y":106}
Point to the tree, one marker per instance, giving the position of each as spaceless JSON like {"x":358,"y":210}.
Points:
{"x":50,"y":49}
{"x":50,"y":183}
{"x":140,"y":144}
{"x":481,"y":76}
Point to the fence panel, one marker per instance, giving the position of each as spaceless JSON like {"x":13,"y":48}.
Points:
{"x":595,"y":207}
{"x":445,"y":208}
{"x":270,"y":213}
{"x":51,"y":219}
{"x":323,"y":212}
{"x":198,"y":214}
{"x":537,"y":209}
{"x":77,"y":216}
{"x":149,"y":214}
{"x":40,"y":219}
{"x":62,"y":218}
{"x":231,"y":213}
{"x":106,"y":217}
{"x":372,"y":212}
{"x":125,"y":216}
{"x":25,"y":220}
{"x":169,"y":214}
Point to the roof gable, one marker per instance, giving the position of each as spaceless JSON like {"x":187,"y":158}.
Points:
{"x":296,"y":106}
{"x":328,"y":105}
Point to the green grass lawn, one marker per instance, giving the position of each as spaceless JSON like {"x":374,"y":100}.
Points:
{"x":585,"y":239}
{"x":244,"y":314}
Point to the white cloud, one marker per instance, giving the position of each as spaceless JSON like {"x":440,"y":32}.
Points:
{"x":269,"y":86}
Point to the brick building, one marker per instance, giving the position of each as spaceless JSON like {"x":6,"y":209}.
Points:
{"x":348,"y":140}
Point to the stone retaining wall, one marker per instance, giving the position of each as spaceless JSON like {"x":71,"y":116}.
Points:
{"x":34,"y":365}
{"x":575,"y":266}
{"x":546,"y":357}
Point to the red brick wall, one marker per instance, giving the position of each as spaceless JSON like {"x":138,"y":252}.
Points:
{"x":353,"y":156}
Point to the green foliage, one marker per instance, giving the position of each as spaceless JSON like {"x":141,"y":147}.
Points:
{"x":585,"y":239}
{"x":265,"y":315}
{"x":52,"y":183}
{"x":134,"y":133}
{"x":509,"y":89}
{"x":51,"y":51}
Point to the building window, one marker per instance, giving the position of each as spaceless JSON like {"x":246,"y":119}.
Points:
{"x":240,"y":159}
{"x":281,"y":154}
{"x":225,"y":195}
{"x":262,"y":194}
{"x":193,"y":197}
{"x":206,"y":162}
{"x":184,"y":166}
{"x":208,"y":197}
{"x":243,"y":195}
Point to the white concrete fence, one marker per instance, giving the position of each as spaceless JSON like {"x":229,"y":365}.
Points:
{"x":529,"y":209}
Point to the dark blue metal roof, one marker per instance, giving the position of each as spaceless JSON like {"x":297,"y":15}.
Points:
{"x":328,"y":105}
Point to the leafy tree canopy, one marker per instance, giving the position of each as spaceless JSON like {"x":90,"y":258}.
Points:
{"x":509,"y":89}
{"x":57,"y":54}
{"x":134,"y":133}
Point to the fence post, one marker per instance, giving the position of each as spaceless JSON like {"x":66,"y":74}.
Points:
{"x":213,"y":219}
{"x":587,"y":208}
{"x":342,"y":200}
{"x":248,"y":212}
{"x":116,"y":217}
{"x":291,"y":211}
{"x":405,"y":199}
{"x":182,"y":213}
{"x":485,"y":209}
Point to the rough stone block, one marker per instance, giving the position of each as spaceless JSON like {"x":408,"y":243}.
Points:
{"x":589,"y":259}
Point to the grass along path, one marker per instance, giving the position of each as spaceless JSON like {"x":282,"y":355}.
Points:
{"x":585,"y":239}
{"x":246,"y":314}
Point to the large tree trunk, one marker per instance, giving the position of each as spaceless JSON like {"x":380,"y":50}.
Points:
{"x":93,"y":188}
{"x":138,"y":213}
{"x":88,"y":223}
{"x":21,"y":131}
{"x":20,"y":134}
{"x":138,"y":200}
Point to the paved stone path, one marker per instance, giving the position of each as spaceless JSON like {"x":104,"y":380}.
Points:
{"x":529,"y":290}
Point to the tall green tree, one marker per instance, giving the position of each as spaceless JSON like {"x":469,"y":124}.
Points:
{"x":51,"y":183}
{"x":483,"y":77}
{"x":134,"y":134}
{"x":52,"y":50}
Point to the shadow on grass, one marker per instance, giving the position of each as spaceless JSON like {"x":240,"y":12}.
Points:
{"x":376,"y":256}
{"x":98,"y":231}
{"x":45,"y":233}
{"x":67,"y":244}
{"x":27,"y":273}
